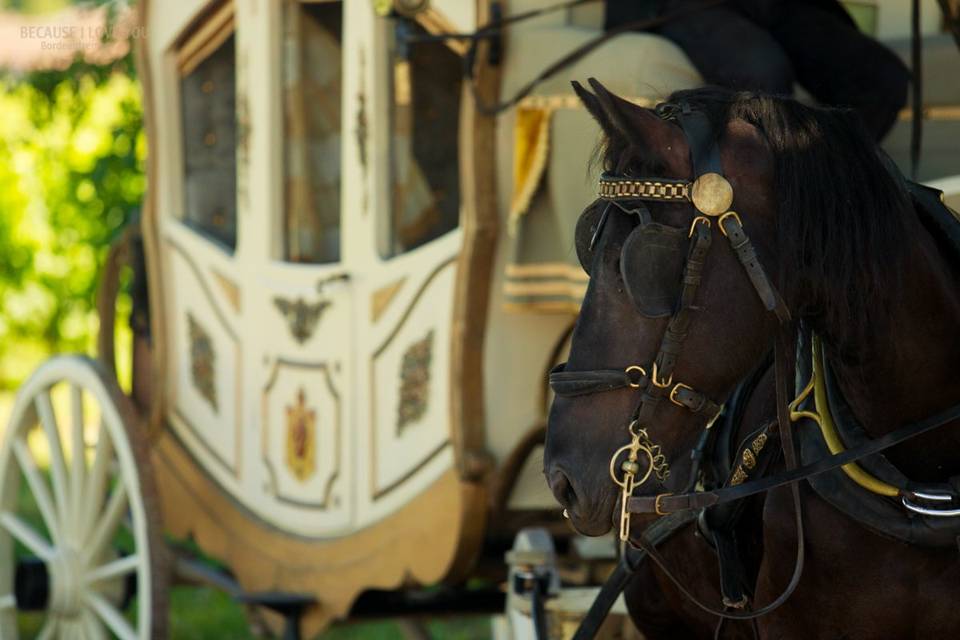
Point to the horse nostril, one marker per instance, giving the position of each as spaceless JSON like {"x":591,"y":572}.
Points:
{"x":562,"y":488}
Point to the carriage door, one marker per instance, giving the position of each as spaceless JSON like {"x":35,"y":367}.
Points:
{"x":300,"y":319}
{"x":407,"y":272}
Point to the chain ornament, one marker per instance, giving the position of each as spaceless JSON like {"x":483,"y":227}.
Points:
{"x":656,"y":464}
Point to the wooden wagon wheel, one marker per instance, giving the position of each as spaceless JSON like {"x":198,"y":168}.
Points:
{"x":90,"y":554}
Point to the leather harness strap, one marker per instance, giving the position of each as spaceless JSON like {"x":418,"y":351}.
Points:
{"x":581,"y":383}
{"x":784,"y":367}
{"x":630,"y":561}
{"x":731,"y":227}
{"x":704,"y":499}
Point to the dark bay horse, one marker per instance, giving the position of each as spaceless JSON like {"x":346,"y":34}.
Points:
{"x":863,"y":276}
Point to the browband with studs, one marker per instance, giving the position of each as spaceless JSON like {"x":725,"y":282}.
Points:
{"x":710,"y":193}
{"x":616,"y":188}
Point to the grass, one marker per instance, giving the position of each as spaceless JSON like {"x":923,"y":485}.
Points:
{"x":202,"y":613}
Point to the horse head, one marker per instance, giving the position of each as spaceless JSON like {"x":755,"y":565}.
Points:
{"x":710,"y":207}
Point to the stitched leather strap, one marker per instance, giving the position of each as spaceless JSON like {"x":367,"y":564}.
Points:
{"x":695,"y":401}
{"x":679,"y":324}
{"x":741,"y":245}
{"x":701,"y":500}
{"x":656,"y":533}
{"x":581,"y":383}
{"x":704,"y":150}
{"x":784,"y":364}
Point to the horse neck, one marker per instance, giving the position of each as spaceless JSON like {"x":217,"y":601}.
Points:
{"x":912,"y":372}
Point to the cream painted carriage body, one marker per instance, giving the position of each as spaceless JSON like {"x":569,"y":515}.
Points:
{"x":349,"y":331}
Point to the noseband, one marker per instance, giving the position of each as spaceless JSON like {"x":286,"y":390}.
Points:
{"x":712,"y":196}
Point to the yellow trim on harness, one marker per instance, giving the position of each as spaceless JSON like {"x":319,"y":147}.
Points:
{"x":824,"y":420}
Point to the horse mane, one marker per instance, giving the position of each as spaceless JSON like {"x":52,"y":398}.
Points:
{"x":842,"y":211}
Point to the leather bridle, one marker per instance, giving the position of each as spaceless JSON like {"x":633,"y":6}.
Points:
{"x":712,"y":196}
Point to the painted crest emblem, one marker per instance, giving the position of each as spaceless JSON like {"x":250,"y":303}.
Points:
{"x":203,"y":360}
{"x":415,"y":382}
{"x":301,"y":438}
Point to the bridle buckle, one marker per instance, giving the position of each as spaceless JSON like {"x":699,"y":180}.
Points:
{"x":673,"y":393}
{"x":655,"y":379}
{"x":657,"y":507}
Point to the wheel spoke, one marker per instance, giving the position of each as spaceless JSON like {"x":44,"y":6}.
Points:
{"x":78,"y":463}
{"x":96,"y":481}
{"x":38,"y":487}
{"x":26,"y":535}
{"x":58,"y":471}
{"x":108,"y":522}
{"x":92,"y":629}
{"x":8,"y":601}
{"x":110,"y":616}
{"x":68,"y":629}
{"x":48,"y":630}
{"x":114,"y":568}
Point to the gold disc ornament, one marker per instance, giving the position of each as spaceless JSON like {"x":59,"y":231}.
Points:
{"x":711,"y":194}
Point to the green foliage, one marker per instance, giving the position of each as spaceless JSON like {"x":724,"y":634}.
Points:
{"x":72,"y":152}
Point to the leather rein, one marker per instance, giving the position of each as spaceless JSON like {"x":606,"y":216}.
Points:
{"x":712,"y":196}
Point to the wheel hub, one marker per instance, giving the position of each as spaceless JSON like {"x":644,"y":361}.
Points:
{"x":66,"y":578}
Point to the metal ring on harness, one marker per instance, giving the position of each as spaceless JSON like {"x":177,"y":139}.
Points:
{"x":627,"y":448}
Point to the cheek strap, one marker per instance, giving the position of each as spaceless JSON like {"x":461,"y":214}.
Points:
{"x":732,"y":228}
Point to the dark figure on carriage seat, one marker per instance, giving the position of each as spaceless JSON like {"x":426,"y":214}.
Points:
{"x":767,"y":45}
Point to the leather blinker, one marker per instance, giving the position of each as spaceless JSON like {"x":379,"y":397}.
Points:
{"x":651,"y":264}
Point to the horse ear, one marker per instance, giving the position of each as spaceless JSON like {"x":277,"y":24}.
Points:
{"x":595,"y":108}
{"x":643,"y":128}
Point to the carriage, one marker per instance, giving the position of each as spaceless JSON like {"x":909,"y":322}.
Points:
{"x":349,"y":281}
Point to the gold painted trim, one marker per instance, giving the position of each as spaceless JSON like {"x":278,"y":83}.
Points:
{"x":201,"y":41}
{"x":382,"y":297}
{"x":571,"y":289}
{"x":230,"y":289}
{"x":546,"y":269}
{"x":379,"y":492}
{"x":948,"y":113}
{"x":204,"y":286}
{"x":413,"y":302}
{"x":570,"y":101}
{"x":435,"y":22}
{"x":542,"y":307}
{"x":238,"y":355}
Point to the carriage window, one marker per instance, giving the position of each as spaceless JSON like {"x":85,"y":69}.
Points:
{"x":209,"y":124}
{"x":311,"y":95}
{"x":425,"y":168}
